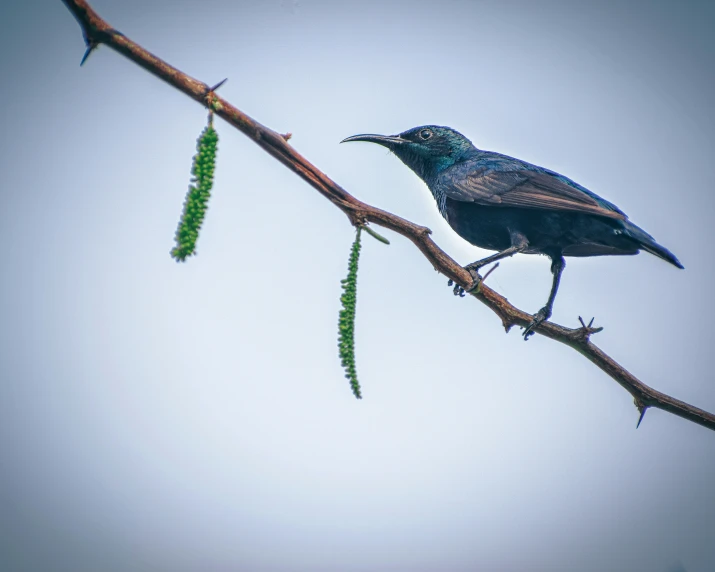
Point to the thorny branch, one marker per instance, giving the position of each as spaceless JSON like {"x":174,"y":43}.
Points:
{"x":96,"y":31}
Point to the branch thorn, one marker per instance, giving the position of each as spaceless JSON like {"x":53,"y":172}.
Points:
{"x":215,"y":87}
{"x":91,"y":46}
{"x":492,"y":269}
{"x":585,"y":331}
{"x":642,"y":409}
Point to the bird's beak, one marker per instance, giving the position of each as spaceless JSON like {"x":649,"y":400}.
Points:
{"x":384,"y":140}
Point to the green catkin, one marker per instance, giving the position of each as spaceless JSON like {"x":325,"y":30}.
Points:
{"x":197,"y":198}
{"x":376,"y":236}
{"x":346,"y":323}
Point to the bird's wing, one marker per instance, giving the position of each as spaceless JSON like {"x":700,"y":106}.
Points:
{"x":508,"y":182}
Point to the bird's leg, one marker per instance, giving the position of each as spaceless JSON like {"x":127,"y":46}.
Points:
{"x":459,"y":291}
{"x":474,"y":267}
{"x":557,"y":267}
{"x":518,"y":244}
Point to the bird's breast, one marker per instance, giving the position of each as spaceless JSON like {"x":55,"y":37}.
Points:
{"x":485,"y":227}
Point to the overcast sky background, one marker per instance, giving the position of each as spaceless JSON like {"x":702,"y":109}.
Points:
{"x":164,"y":416}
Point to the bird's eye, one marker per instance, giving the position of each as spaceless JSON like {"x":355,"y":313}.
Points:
{"x":425,"y":134}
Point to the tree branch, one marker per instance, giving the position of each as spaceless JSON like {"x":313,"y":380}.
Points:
{"x":96,"y":31}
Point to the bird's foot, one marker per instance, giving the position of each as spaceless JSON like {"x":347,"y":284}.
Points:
{"x":540,"y":316}
{"x":476,"y":280}
{"x":458,"y":290}
{"x":473,"y":270}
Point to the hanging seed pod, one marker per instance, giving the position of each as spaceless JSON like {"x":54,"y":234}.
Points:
{"x":346,"y":323}
{"x":197,"y":198}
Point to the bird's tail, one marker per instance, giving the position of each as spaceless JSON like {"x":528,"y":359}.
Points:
{"x":648,"y":243}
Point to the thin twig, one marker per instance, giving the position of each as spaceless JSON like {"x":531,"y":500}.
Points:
{"x":97,"y":31}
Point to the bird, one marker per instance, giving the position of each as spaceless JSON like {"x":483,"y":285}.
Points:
{"x":510,"y":206}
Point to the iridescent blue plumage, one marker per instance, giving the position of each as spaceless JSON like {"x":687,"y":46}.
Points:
{"x":501,"y":203}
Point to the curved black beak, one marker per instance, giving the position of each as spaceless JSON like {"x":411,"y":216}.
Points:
{"x":384,"y":140}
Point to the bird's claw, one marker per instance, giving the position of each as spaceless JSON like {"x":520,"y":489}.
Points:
{"x":476,"y":281}
{"x":540,"y":316}
{"x":476,"y":278}
{"x":458,"y":290}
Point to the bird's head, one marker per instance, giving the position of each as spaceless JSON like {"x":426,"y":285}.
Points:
{"x":427,"y":150}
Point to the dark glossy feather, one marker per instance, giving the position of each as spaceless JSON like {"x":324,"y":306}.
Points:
{"x":491,"y":179}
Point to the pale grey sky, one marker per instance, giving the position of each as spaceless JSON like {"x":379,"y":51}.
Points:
{"x":163,"y":416}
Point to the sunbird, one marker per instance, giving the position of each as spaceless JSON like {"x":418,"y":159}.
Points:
{"x":497,"y":202}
